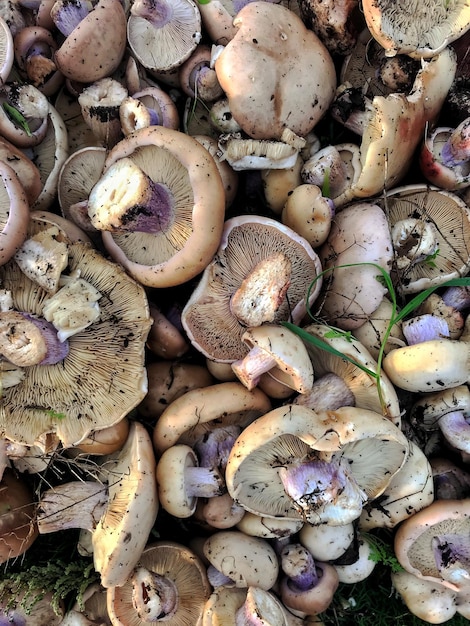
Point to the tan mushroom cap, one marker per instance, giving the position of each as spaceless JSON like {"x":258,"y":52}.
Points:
{"x":183,"y":250}
{"x":276,"y":73}
{"x":90,"y":53}
{"x":246,"y":560}
{"x":421,"y":29}
{"x":182,"y":568}
{"x":292,"y":435}
{"x":247,"y":243}
{"x":449,"y":219}
{"x":195,"y":412}
{"x":102,"y":378}
{"x":413,"y":542}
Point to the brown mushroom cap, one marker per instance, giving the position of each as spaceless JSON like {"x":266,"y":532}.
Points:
{"x":102,"y":378}
{"x":18,"y":529}
{"x":276,"y":73}
{"x":183,"y":249}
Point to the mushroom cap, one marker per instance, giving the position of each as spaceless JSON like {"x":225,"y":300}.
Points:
{"x":246,"y":241}
{"x":193,"y":414}
{"x":275,"y":72}
{"x":375,"y":448}
{"x":102,"y":378}
{"x":421,"y":29}
{"x":246,"y":560}
{"x":361,"y":384}
{"x":450,"y":216}
{"x":123,"y":530}
{"x":14,"y":213}
{"x":183,"y":250}
{"x":414,"y":537}
{"x":182,"y":567}
{"x":172,"y":492}
{"x":90,"y":52}
{"x":315,"y":600}
{"x":359,"y":235}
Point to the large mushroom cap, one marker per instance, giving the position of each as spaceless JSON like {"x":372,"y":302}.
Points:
{"x":103,"y":376}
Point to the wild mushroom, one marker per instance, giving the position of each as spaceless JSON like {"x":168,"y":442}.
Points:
{"x":427,"y":222}
{"x":309,"y":213}
{"x":64,"y":398}
{"x":14,"y":213}
{"x":18,"y":528}
{"x":259,"y":274}
{"x":34,"y":51}
{"x":89,"y":53}
{"x":312,"y":466}
{"x":352,"y":291}
{"x":433,"y":544}
{"x":326,"y":542}
{"x":244,"y":560}
{"x":275,"y":72}
{"x":450,"y":176}
{"x":166,"y":226}
{"x":168,"y":584}
{"x":147,"y":107}
{"x":119,"y":509}
{"x":421,"y":31}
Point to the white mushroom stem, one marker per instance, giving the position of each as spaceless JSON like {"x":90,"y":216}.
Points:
{"x":203,"y":482}
{"x":299,"y":566}
{"x":457,"y":297}
{"x":155,"y":597}
{"x":26,"y":340}
{"x":456,"y":150}
{"x":414,"y":240}
{"x":452,"y":557}
{"x":134,"y":115}
{"x":217,"y":578}
{"x":67,"y":15}
{"x":157,"y":12}
{"x":328,"y":393}
{"x":425,"y":327}
{"x":456,"y":430}
{"x":316,"y":485}
{"x":125,"y":199}
{"x":263,"y":291}
{"x":250,"y":369}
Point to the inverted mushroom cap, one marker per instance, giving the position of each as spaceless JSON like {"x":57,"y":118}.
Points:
{"x":246,"y":270}
{"x":276,"y":73}
{"x":103,"y":376}
{"x":293,"y":436}
{"x":193,"y":215}
{"x":420,"y":29}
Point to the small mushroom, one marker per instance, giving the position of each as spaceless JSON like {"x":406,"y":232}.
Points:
{"x":168,"y":584}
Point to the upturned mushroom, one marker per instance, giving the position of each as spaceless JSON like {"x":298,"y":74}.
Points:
{"x":160,"y":205}
{"x":312,"y":465}
{"x":275,"y":72}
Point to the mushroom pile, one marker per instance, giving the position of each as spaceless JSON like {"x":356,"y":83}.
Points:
{"x":234,"y":297}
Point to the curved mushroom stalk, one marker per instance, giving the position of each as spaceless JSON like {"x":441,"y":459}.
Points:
{"x":100,"y":105}
{"x":260,"y":608}
{"x":434,"y":166}
{"x":155,"y":597}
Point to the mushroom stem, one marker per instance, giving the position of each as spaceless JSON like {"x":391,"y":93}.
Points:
{"x":263,"y":291}
{"x":213,"y":450}
{"x":203,"y":482}
{"x":414,"y":240}
{"x":125,"y":199}
{"x":259,"y":609}
{"x":452,"y":556}
{"x":155,"y":597}
{"x":67,"y":15}
{"x":457,"y":297}
{"x":250,"y":369}
{"x":456,"y":430}
{"x":456,"y":150}
{"x":299,"y":566}
{"x":328,"y":393}
{"x":26,"y":340}
{"x":157,"y":12}
{"x":424,"y":328}
{"x":316,"y":484}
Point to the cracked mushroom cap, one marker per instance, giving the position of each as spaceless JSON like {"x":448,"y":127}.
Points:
{"x":187,"y":202}
{"x":169,"y":585}
{"x":260,"y":273}
{"x":308,"y":449}
{"x":433,"y":543}
{"x":275,"y":72}
{"x":420,"y":29}
{"x":427,"y":222}
{"x":103,"y":376}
